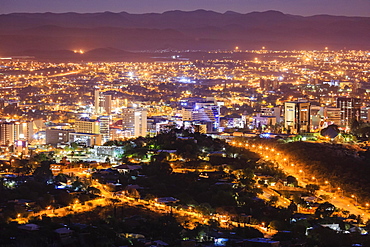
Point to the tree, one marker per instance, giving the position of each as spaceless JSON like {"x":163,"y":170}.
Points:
{"x":292,"y":180}
{"x":61,"y":177}
{"x":93,"y":190}
{"x":273,"y":200}
{"x":324,"y":210}
{"x":43,"y":173}
{"x":312,"y":188}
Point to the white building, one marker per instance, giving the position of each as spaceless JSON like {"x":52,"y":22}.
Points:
{"x":94,"y":126}
{"x":10,"y":132}
{"x":297,"y":116}
{"x":102,"y":103}
{"x":135,"y":121}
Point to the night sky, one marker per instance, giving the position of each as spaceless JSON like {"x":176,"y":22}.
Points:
{"x":299,"y":7}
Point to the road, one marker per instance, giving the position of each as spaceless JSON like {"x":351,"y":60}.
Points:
{"x":107,"y":200}
{"x":337,"y":198}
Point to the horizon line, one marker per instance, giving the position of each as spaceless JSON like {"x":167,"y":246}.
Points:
{"x":185,"y":11}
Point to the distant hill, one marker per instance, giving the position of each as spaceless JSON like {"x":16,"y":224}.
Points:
{"x":193,"y":30}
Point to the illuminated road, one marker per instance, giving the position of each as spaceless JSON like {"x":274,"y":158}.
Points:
{"x":106,"y":200}
{"x":337,"y":198}
{"x":65,"y":74}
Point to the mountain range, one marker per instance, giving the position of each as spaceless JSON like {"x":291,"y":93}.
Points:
{"x":117,"y":34}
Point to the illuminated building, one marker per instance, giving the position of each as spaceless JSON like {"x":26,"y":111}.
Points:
{"x":269,"y":85}
{"x":349,"y":110}
{"x":270,"y":110}
{"x":7,"y":131}
{"x":135,"y":121}
{"x":94,"y":126}
{"x":297,"y":117}
{"x":365,"y":113}
{"x":57,"y":136}
{"x":322,"y":117}
{"x":233,"y":121}
{"x":262,"y":122}
{"x":102,"y":103}
{"x":86,"y":125}
{"x":86,"y":138}
{"x":332,"y":115}
{"x":104,"y":128}
{"x":10,"y":132}
{"x":201,"y":110}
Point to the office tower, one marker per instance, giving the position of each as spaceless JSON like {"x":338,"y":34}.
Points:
{"x":108,"y":104}
{"x":365,"y":113}
{"x":94,"y":126}
{"x":104,"y":129}
{"x":10,"y":132}
{"x":57,"y":136}
{"x":297,"y":117}
{"x":7,"y":134}
{"x":332,"y":115}
{"x":269,"y":85}
{"x":102,"y":103}
{"x":350,"y":109}
{"x":274,"y":111}
{"x":86,"y":125}
{"x":207,"y":112}
{"x":135,"y":121}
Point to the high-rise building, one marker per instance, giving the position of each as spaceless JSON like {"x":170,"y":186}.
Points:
{"x":108,"y":104}
{"x":102,"y":103}
{"x":365,"y":113}
{"x":332,"y":115}
{"x":322,"y":117}
{"x":10,"y":132}
{"x":269,"y":85}
{"x":7,"y":133}
{"x":104,"y":129}
{"x":86,"y":125}
{"x":297,"y":116}
{"x":350,"y":109}
{"x":94,"y":126}
{"x":135,"y":121}
{"x":207,"y":112}
{"x":270,"y":110}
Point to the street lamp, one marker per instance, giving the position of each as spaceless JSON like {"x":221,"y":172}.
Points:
{"x":327,"y":183}
{"x":355,"y":197}
{"x":339,"y":190}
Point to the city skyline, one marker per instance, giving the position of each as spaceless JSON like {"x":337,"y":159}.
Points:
{"x":303,"y":7}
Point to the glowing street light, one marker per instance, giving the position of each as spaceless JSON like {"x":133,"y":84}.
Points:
{"x":328,"y":183}
{"x":340,"y":190}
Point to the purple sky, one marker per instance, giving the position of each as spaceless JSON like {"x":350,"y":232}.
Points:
{"x":299,"y":7}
